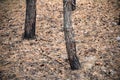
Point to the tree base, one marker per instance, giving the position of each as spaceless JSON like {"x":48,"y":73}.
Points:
{"x":29,"y":37}
{"x":74,"y":64}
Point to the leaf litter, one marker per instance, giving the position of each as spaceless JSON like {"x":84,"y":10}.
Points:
{"x":45,"y":58}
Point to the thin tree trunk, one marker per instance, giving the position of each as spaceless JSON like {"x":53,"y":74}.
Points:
{"x":69,"y":38}
{"x":119,"y":20}
{"x":30,"y":21}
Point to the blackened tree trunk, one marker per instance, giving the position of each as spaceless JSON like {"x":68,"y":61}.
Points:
{"x":69,"y":38}
{"x":73,"y":5}
{"x":30,"y":21}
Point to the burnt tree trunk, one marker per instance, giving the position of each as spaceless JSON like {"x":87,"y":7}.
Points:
{"x":69,"y":38}
{"x":73,"y":5}
{"x":30,"y":20}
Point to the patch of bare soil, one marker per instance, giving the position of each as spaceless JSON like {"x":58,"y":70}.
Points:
{"x":97,"y":37}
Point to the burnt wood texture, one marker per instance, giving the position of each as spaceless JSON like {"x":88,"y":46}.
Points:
{"x":30,"y":20}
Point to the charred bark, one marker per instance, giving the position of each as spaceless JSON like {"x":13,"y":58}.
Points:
{"x":30,"y":20}
{"x":69,"y":38}
{"x":73,"y":5}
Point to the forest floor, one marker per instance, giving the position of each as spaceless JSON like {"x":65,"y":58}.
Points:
{"x":97,"y":36}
